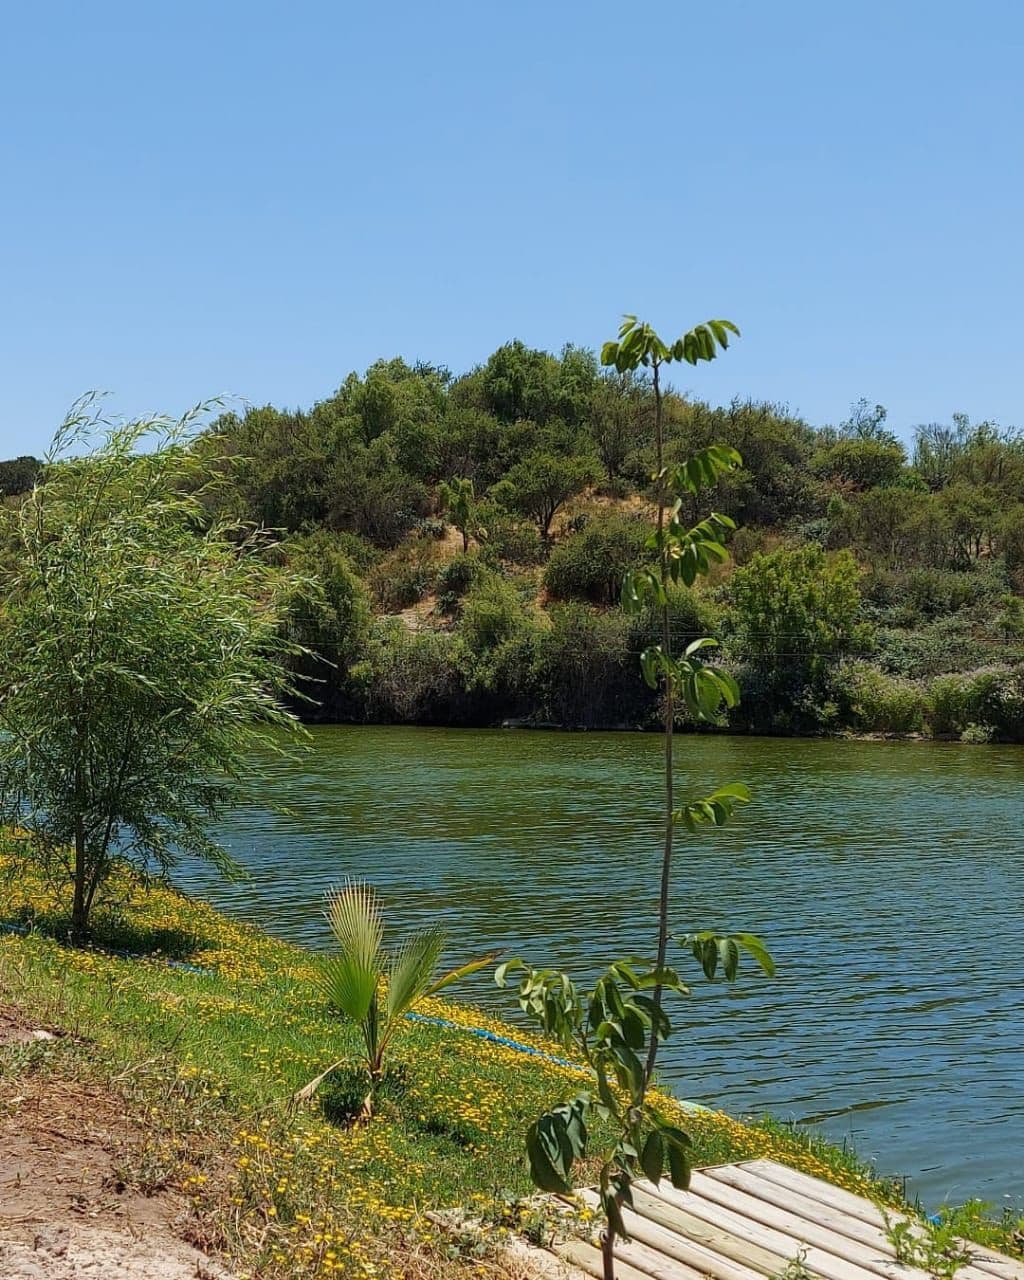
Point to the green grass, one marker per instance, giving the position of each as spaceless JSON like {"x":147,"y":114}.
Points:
{"x":208,"y":1062}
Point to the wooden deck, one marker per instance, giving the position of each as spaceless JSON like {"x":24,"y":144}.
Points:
{"x":748,"y":1221}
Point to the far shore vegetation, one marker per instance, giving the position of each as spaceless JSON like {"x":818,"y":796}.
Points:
{"x":470,"y":532}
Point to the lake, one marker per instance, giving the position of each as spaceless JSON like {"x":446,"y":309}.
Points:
{"x":886,"y":878}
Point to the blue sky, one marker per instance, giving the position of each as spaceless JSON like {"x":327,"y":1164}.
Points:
{"x":253,"y":199}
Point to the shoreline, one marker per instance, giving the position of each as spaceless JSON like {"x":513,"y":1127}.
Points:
{"x":205,"y":1032}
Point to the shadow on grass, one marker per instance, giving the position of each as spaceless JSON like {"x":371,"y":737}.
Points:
{"x":343,"y":1093}
{"x":115,"y":933}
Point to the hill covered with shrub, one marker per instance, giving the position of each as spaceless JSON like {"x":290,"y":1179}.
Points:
{"x":465,"y":537}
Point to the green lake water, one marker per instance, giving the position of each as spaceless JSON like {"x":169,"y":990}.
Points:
{"x":886,"y":878}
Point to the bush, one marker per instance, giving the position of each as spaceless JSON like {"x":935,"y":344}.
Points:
{"x":745,"y":544}
{"x":929,"y":593}
{"x":432,"y":527}
{"x":692,"y":614}
{"x":362,"y":554}
{"x":945,"y":645}
{"x":406,"y":575}
{"x":990,"y":700}
{"x":508,"y":540}
{"x":329,"y":617}
{"x":585,"y":671}
{"x":455,"y":578}
{"x":590,"y":565}
{"x":409,"y":676}
{"x":491,"y":615}
{"x":862,"y":463}
{"x":875,"y":702}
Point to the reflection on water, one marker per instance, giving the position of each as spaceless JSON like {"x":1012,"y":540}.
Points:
{"x":886,"y":878}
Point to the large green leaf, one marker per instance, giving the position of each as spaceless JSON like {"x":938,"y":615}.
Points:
{"x":555,"y":1141}
{"x":348,"y":985}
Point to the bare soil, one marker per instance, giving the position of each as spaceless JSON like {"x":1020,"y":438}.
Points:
{"x":66,"y":1212}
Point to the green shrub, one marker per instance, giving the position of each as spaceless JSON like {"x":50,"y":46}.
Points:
{"x":590,"y":564}
{"x":875,"y":702}
{"x":990,"y":700}
{"x":456,"y":577}
{"x":692,"y":613}
{"x":931,"y":593}
{"x":586,"y":674}
{"x":406,"y":575}
{"x":432,"y":527}
{"x":329,"y":616}
{"x":947,"y":644}
{"x":410,"y":676}
{"x":363,"y":555}
{"x":508,"y":540}
{"x":491,"y":614}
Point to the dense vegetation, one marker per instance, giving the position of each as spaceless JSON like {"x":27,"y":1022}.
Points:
{"x":470,"y":535}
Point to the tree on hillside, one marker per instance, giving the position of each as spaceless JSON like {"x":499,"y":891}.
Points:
{"x":617,"y":420}
{"x":541,"y":484}
{"x":794,"y":612}
{"x":141,"y":657}
{"x":18,"y":475}
{"x":457,"y":501}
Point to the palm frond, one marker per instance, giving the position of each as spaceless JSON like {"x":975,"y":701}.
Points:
{"x":350,"y":979}
{"x":412,"y":968}
{"x":463,"y":971}
{"x":306,"y":1092}
{"x":348,"y":984}
{"x":354,"y":914}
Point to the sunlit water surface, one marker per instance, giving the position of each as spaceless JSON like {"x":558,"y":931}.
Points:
{"x":886,"y":877}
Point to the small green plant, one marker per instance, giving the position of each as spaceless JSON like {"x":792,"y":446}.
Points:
{"x":796,"y":1268}
{"x":374,"y":988}
{"x":930,"y":1244}
{"x":617,"y":1026}
{"x":612,"y":1027}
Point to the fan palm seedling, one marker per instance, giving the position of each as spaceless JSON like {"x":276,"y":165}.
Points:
{"x":373,"y":987}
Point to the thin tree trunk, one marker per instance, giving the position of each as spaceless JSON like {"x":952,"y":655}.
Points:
{"x":608,"y":1252}
{"x":669,"y":724}
{"x":79,"y":906}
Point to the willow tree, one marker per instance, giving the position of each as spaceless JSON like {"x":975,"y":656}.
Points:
{"x":141,"y":656}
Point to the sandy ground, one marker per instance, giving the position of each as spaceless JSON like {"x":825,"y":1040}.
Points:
{"x":64,"y":1212}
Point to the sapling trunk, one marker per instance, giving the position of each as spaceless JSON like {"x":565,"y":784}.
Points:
{"x":608,"y":1252}
{"x":668,"y":722}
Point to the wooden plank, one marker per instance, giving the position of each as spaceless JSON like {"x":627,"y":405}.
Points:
{"x":741,"y":1177}
{"x":587,"y":1257}
{"x":653,"y":1263}
{"x":705,"y":1261}
{"x":824,"y":1262}
{"x":726,"y":1244}
{"x":857,"y":1228}
{"x":816,"y":1189}
{"x":986,"y":1260}
{"x":869,"y":1255}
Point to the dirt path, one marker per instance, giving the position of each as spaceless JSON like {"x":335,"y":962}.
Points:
{"x":65,"y":1211}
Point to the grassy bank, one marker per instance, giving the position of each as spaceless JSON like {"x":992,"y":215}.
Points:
{"x":209,"y":1034}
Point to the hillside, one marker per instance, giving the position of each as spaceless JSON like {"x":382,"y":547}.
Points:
{"x":468,"y":534}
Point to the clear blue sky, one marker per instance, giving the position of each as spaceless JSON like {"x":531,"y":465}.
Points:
{"x":211,"y":196}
